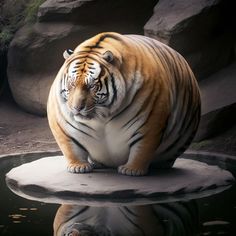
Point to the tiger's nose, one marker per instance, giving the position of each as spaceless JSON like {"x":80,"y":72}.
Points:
{"x":77,"y":109}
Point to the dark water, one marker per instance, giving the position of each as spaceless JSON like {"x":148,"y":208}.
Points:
{"x":214,"y":215}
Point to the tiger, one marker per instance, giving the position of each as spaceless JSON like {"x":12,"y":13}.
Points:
{"x":127,"y":102}
{"x":173,"y":218}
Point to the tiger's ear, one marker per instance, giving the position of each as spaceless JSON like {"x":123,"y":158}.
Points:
{"x":108,"y":56}
{"x":67,"y":53}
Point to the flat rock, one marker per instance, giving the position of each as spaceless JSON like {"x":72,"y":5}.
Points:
{"x":47,"y":180}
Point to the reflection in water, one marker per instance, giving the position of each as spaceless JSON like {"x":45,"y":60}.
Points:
{"x":170,"y":219}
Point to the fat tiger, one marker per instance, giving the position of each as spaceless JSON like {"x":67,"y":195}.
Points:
{"x":169,"y":219}
{"x":123,"y":101}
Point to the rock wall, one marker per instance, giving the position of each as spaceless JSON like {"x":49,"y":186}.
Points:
{"x":3,"y":64}
{"x":202,"y":30}
{"x":35,"y":54}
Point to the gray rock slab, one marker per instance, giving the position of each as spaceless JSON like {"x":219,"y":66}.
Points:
{"x":218,"y":95}
{"x":219,"y":89}
{"x":47,"y":180}
{"x":173,"y":16}
{"x":190,"y":27}
{"x":53,"y":9}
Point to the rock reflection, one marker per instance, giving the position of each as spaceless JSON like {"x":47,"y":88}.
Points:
{"x":169,"y":219}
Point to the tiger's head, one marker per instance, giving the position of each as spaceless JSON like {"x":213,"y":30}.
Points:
{"x":92,"y":84}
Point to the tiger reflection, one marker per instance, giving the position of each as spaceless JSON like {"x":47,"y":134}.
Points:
{"x":170,"y":219}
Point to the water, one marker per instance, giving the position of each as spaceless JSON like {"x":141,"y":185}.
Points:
{"x":214,"y":215}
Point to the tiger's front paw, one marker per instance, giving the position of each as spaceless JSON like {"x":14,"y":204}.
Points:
{"x":132,"y":171}
{"x":79,"y":167}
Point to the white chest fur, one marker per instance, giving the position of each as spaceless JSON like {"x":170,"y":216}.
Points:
{"x":111,"y":145}
{"x":108,"y":142}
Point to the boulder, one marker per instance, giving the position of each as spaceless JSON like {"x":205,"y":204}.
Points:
{"x":121,"y":12}
{"x":34,"y":56}
{"x":35,"y":53}
{"x":200,"y":30}
{"x":58,"y":10}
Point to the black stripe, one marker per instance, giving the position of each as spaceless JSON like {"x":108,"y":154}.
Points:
{"x":135,"y":141}
{"x":126,"y":108}
{"x":90,"y":63}
{"x":79,"y":129}
{"x":102,"y":39}
{"x":85,"y":133}
{"x":79,"y":56}
{"x":77,"y":67}
{"x":86,"y":126}
{"x":133,"y":223}
{"x":73,"y":139}
{"x":180,"y":136}
{"x":81,"y":62}
{"x":144,"y":106}
{"x":85,"y":208}
{"x":177,"y":210}
{"x":151,"y":49}
{"x":136,"y":133}
{"x":78,"y":144}
{"x":135,"y":118}
{"x":106,"y":85}
{"x":131,"y":122}
{"x":99,"y":84}
{"x":92,"y":58}
{"x":112,"y":36}
{"x":113,"y":85}
{"x":102,"y":94}
{"x":100,"y":88}
{"x":131,"y":212}
{"x":94,"y":46}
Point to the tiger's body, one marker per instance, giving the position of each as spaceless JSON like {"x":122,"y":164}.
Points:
{"x":123,"y":101}
{"x":183,"y":219}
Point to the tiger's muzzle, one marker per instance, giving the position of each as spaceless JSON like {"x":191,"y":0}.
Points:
{"x":83,"y":112}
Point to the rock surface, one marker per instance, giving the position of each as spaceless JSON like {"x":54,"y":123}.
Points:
{"x":39,"y":48}
{"x":200,"y":30}
{"x":56,"y":10}
{"x":218,"y":103}
{"x":188,"y":179}
{"x":35,"y":54}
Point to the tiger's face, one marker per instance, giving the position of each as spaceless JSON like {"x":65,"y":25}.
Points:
{"x":88,"y":86}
